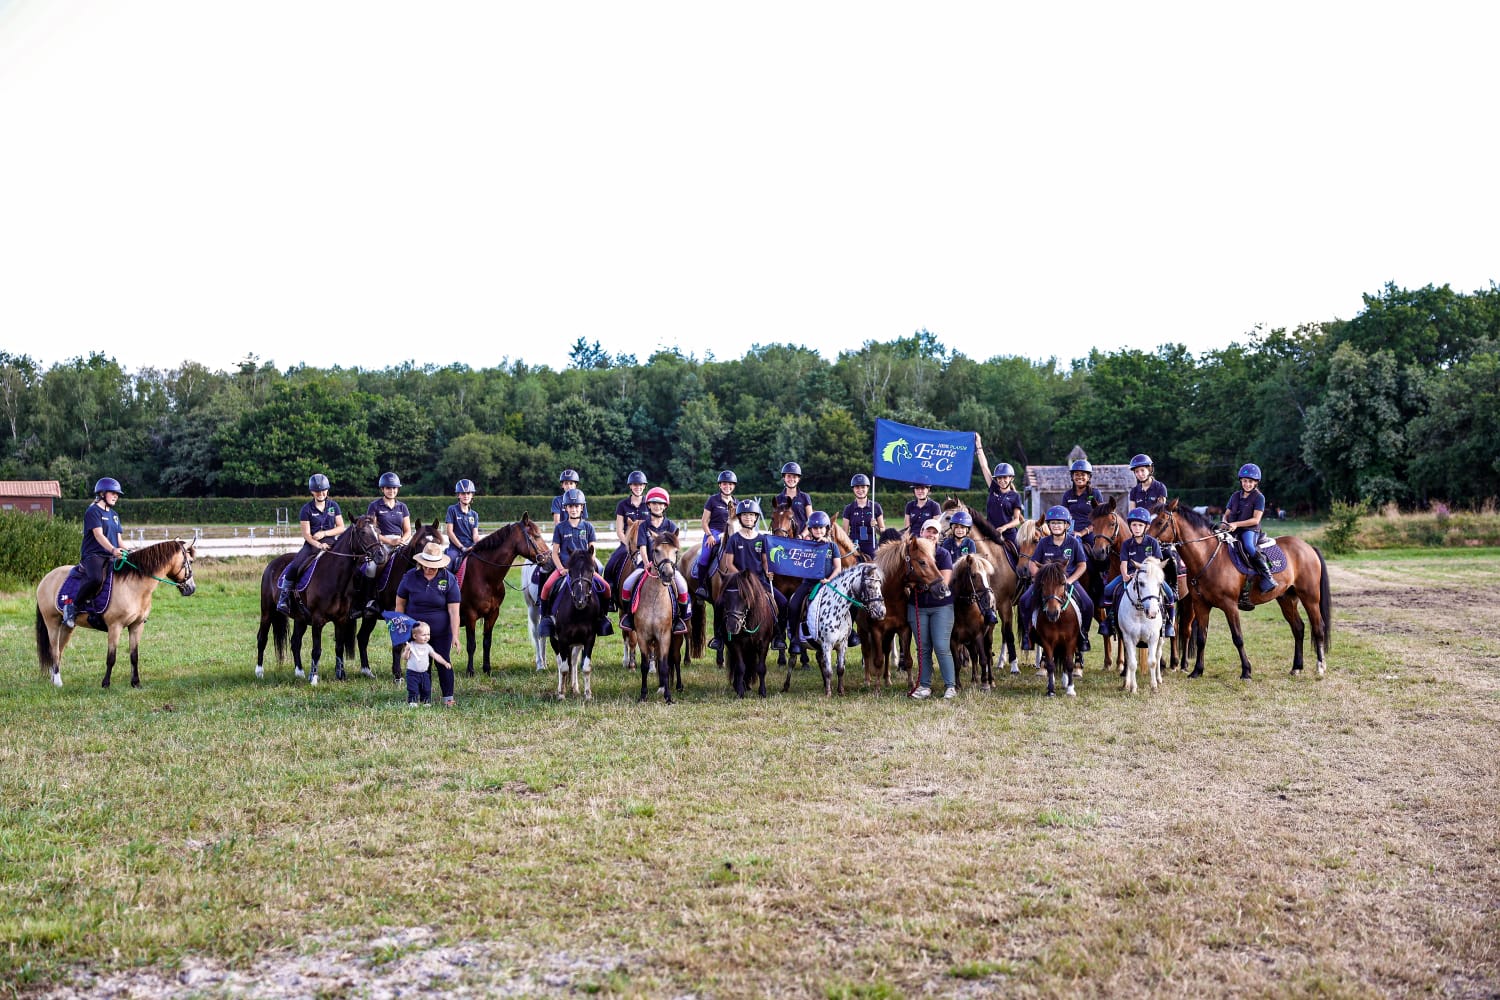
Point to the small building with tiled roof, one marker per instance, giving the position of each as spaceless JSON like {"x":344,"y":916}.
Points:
{"x":1046,"y":484}
{"x":31,"y":496}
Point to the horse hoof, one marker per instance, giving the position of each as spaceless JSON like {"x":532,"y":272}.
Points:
{"x":314,"y":681}
{"x":56,"y":680}
{"x":298,"y":673}
{"x":1015,"y":669}
{"x":367,"y":672}
{"x":1071,"y":692}
{"x":260,"y":672}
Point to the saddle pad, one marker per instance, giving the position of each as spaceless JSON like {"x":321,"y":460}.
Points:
{"x":463,"y":569}
{"x":1275,"y":558}
{"x":304,"y":579}
{"x":74,"y":582}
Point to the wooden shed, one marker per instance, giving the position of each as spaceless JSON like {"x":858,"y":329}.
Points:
{"x":33,"y":496}
{"x":1046,"y":484}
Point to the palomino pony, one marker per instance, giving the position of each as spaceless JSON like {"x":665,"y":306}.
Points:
{"x":401,"y":559}
{"x":1140,"y":618}
{"x":749,"y":623}
{"x":1005,"y":584}
{"x":129,"y":605}
{"x":482,"y":586}
{"x":906,"y":566}
{"x":328,"y":598}
{"x":659,"y":647}
{"x":1215,"y":580}
{"x":576,"y":623}
{"x":1058,"y":625}
{"x":972,"y":597}
{"x":830,"y":616}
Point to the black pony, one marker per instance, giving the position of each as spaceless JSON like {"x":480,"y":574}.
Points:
{"x":575,"y":622}
{"x":750,"y":622}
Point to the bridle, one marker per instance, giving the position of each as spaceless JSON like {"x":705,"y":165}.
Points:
{"x":1111,"y":539}
{"x":1142,"y":604}
{"x":1179,"y":542}
{"x":581,"y":588}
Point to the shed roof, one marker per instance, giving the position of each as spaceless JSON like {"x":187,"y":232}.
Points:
{"x":30,"y":488}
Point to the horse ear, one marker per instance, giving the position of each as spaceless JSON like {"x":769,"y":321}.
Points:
{"x":1172,"y":506}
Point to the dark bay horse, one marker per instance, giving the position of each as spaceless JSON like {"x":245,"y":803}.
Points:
{"x":750,"y":622}
{"x":401,"y":559}
{"x":655,"y":597}
{"x":717,"y":576}
{"x":972,"y":597}
{"x":483,"y":584}
{"x":576,"y":623}
{"x":1057,"y":627}
{"x":1215,"y":582}
{"x":906,"y":565}
{"x":129,"y":605}
{"x":1005,"y":584}
{"x":328,"y":598}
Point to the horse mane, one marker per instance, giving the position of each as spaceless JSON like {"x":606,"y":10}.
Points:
{"x":1051,"y":575}
{"x":1194,"y":518}
{"x":1028,"y":532}
{"x":890,"y":535}
{"x":581,"y":560}
{"x":152,"y":559}
{"x":665,"y":538}
{"x":496,"y":538}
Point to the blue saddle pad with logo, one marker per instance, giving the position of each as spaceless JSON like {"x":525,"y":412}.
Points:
{"x":1275,"y":558}
{"x":74,"y":582}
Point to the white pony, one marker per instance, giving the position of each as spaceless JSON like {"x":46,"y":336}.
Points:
{"x":531,"y":591}
{"x":1140,"y":614}
{"x":830,"y":618}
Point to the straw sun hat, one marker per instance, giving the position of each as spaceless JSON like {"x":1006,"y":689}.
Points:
{"x":432,"y":556}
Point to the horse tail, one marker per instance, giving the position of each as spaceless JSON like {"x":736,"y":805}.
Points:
{"x":698,"y":641}
{"x":43,"y":643}
{"x":1325,"y":600}
{"x":278,"y":635}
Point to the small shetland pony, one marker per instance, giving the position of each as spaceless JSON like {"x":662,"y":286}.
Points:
{"x":655,"y":598}
{"x":750,"y":623}
{"x":1140,"y":619}
{"x":972,"y":597}
{"x":576,"y":623}
{"x":484,"y":571}
{"x":1005,"y":584}
{"x":1058,"y":625}
{"x":129,"y":605}
{"x":830,"y":617}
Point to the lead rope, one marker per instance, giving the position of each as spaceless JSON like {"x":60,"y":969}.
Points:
{"x":916,"y":677}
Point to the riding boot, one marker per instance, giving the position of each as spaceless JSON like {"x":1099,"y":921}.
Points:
{"x":1026,"y":646}
{"x":1107,"y":627}
{"x":990,"y":618}
{"x":715,"y":644}
{"x":604,"y":627}
{"x":544,"y":626}
{"x":1168,"y":629}
{"x":1083,"y":644}
{"x":1267,"y":582}
{"x":853,"y":638}
{"x":69,"y":614}
{"x":284,"y":598}
{"x":778,"y":641}
{"x":679,"y":619}
{"x":627,"y":621}
{"x":1245,"y":603}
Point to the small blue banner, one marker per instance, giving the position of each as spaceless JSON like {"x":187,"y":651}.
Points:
{"x":919,"y":455}
{"x":798,"y":557}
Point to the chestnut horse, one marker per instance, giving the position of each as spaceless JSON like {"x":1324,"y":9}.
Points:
{"x":905,"y":566}
{"x":483,"y":584}
{"x":655,"y":599}
{"x":1214,"y":581}
{"x":129,"y":605}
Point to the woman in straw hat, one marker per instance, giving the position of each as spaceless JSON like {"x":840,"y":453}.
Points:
{"x":429,"y":593}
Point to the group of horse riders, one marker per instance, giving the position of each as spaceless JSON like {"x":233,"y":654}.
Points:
{"x":1065,"y":540}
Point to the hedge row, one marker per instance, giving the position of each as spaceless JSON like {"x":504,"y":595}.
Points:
{"x":685,"y":506}
{"x":31,"y":545}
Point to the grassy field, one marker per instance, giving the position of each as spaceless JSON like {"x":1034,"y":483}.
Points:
{"x":212,"y":833}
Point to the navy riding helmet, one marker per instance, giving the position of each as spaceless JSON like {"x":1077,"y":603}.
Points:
{"x":1142,"y":462}
{"x":747,"y":507}
{"x":1003,"y":469}
{"x":859,"y":480}
{"x":636,"y":478}
{"x":818,"y":519}
{"x":1081,"y":465}
{"x":463,"y":486}
{"x":568,"y":476}
{"x":317,"y":482}
{"x":389,"y":479}
{"x":962,"y":517}
{"x":1249,"y":471}
{"x":791,"y":469}
{"x":1059,"y":513}
{"x":574,"y":496}
{"x":728,"y":476}
{"x":108,"y":485}
{"x":1139,"y":514}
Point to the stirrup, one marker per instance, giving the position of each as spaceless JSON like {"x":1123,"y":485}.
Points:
{"x":627,"y":621}
{"x":544,"y":627}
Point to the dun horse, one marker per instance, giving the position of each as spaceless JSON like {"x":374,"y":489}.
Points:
{"x":129,"y":605}
{"x":482,"y":585}
{"x":655,"y":598}
{"x":1215,"y":579}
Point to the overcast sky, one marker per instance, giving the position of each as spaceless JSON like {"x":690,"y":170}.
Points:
{"x":370,"y":183}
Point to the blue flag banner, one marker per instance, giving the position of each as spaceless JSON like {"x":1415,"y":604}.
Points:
{"x":918,"y":455}
{"x":799,"y":557}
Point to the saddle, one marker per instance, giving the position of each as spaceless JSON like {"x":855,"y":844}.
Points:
{"x":1275,"y":558}
{"x":97,"y":605}
{"x":303,"y":579}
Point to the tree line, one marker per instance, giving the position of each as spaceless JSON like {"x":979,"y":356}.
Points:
{"x":1401,"y":402}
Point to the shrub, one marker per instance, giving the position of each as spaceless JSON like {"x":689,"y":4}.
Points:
{"x":32,"y":544}
{"x":1343,"y":524}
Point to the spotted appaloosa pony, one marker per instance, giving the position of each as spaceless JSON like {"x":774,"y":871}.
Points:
{"x":129,"y":605}
{"x":830,"y":618}
{"x":1140,"y":615}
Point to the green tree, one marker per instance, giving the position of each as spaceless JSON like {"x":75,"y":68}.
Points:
{"x":1452,"y":443}
{"x":314,"y":426}
{"x":1355,"y":437}
{"x":699,"y":430}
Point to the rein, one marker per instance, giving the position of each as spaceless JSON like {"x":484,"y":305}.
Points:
{"x":1180,"y":542}
{"x":124,"y":561}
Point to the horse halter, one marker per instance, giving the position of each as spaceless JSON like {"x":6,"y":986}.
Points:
{"x":186,"y":586}
{"x":581,"y":589}
{"x":1132,"y":592}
